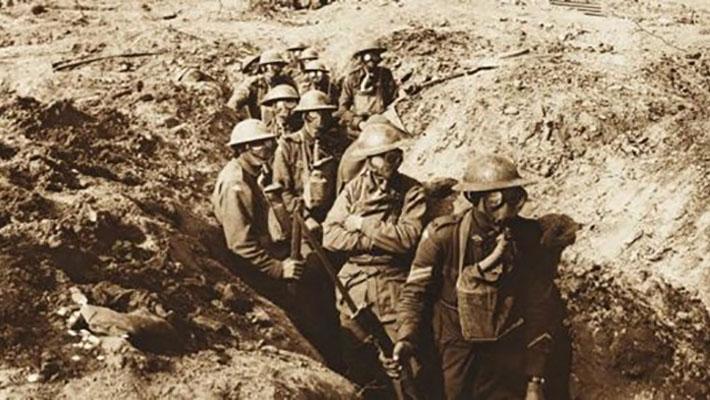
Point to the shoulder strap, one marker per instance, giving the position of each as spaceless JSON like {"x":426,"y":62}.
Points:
{"x":463,"y":231}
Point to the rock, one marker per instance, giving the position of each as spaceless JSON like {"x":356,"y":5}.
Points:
{"x":171,"y":122}
{"x":77,"y":296}
{"x":258,"y":316}
{"x":510,"y":110}
{"x":207,"y":323}
{"x":34,"y":378}
{"x":38,"y":9}
{"x":683,"y":315}
{"x":144,"y":330}
{"x":232,"y":297}
{"x":269,"y":349}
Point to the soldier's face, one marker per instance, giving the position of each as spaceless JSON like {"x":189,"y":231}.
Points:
{"x":503,"y":205}
{"x":316,"y":76}
{"x":370,"y":60}
{"x":272,"y":70}
{"x":284,"y":108}
{"x":296,"y":53}
{"x":317,"y":120}
{"x":263,"y":151}
{"x":385,"y":165}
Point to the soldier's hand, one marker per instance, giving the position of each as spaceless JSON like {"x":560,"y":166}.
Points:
{"x":534,"y":391}
{"x":322,"y":162}
{"x":353,"y":223}
{"x":313,"y":225}
{"x":402,"y":351}
{"x":400,"y":355}
{"x":501,"y":245}
{"x":391,"y":367}
{"x":292,"y":269}
{"x":264,"y":177}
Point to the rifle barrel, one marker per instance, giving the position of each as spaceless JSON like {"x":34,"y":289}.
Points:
{"x":320,"y":253}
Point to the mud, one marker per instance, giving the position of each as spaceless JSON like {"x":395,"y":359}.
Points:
{"x":107,"y":168}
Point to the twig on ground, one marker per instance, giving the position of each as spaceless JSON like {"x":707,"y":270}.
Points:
{"x":70,"y":64}
{"x":662,"y":39}
{"x":188,"y":34}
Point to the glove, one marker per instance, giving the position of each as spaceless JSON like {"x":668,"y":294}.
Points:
{"x":353,"y":223}
{"x":292,"y":269}
{"x":534,"y":391}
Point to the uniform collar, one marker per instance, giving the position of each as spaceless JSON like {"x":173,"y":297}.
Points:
{"x":249,"y":169}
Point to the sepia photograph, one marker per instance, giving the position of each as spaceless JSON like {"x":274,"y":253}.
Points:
{"x":355,"y":199}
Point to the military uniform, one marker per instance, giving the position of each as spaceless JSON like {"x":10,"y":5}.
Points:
{"x":328,"y":87}
{"x":525,"y":320}
{"x":241,"y":208}
{"x":252,"y":91}
{"x":282,"y":129}
{"x":293,"y":162}
{"x":377,"y":259}
{"x":358,"y":101}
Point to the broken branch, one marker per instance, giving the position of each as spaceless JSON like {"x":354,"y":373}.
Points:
{"x":70,"y":64}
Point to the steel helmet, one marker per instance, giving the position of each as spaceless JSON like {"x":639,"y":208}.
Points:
{"x":315,"y":65}
{"x":249,"y":130}
{"x":272,"y":57}
{"x":490,"y":172}
{"x":250,"y":62}
{"x":308,"y":54}
{"x":378,"y":138}
{"x":299,"y":45}
{"x":279,"y":92}
{"x":314,"y":100}
{"x":368,"y":46}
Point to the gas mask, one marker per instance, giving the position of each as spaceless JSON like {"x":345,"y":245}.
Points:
{"x":385,"y":165}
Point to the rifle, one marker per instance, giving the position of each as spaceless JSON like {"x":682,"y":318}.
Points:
{"x":364,"y":316}
{"x":392,"y":114}
{"x":296,"y":233}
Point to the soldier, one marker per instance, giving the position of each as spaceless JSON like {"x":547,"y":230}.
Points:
{"x":297,"y":70}
{"x":252,"y":91}
{"x":242,"y":207}
{"x":489,"y":280}
{"x":305,"y":165}
{"x":281,"y":100}
{"x":317,"y":77}
{"x":308,"y":54}
{"x":250,"y":65}
{"x":294,"y":50}
{"x":367,"y":90}
{"x":306,"y":162}
{"x":376,"y":220}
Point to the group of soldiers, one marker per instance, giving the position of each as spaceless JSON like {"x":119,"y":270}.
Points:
{"x":467,"y":299}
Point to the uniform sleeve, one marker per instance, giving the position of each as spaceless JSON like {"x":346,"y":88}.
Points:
{"x":241,"y":236}
{"x":540,"y":313}
{"x":401,"y":236}
{"x":282,"y":174}
{"x":335,"y":236}
{"x":426,"y":269}
{"x":345,"y":103}
{"x":241,"y":95}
